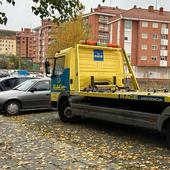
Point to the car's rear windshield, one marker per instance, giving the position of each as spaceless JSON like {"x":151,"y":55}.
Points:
{"x":25,"y":85}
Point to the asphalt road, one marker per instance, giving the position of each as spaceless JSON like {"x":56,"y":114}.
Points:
{"x":41,"y":141}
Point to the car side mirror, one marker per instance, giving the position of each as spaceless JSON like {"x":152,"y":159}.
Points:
{"x":47,"y":67}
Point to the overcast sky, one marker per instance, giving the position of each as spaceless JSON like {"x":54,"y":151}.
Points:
{"x":22,"y":16}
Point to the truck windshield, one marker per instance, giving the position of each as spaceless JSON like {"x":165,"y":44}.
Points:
{"x":59,"y":66}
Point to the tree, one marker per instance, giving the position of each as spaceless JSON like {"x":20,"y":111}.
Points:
{"x":58,"y":10}
{"x":68,"y":34}
{"x":9,"y":62}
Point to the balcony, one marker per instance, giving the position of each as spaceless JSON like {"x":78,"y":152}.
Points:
{"x":163,"y":63}
{"x":105,"y":37}
{"x":104,"y":21}
{"x":164,"y":42}
{"x":164,"y":53}
{"x":164,"y":31}
{"x":103,"y":40}
{"x":104,"y":29}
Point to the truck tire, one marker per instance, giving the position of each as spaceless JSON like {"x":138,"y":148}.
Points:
{"x":167,"y":133}
{"x":65,"y":113}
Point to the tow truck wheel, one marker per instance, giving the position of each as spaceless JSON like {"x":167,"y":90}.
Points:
{"x":65,"y":113}
{"x":168,"y":134}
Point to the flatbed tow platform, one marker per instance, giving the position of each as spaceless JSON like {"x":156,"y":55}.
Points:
{"x":143,"y":109}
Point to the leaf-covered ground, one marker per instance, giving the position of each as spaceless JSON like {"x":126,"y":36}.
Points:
{"x":42,"y":141}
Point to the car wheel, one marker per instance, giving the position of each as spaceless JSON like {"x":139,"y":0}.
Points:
{"x":66,"y":114}
{"x":12,"y":108}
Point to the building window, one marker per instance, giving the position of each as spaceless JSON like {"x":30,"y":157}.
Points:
{"x":164,"y":25}
{"x":103,"y":36}
{"x":144,"y":47}
{"x":155,"y":36}
{"x":163,"y":58}
{"x":128,"y":24}
{"x":143,"y":58}
{"x":144,"y":24}
{"x":154,"y":58}
{"x":164,"y":47}
{"x":103,"y":41}
{"x":154,"y":25}
{"x":103,"y":27}
{"x":154,"y":47}
{"x":103,"y":19}
{"x":144,"y":36}
{"x":164,"y":37}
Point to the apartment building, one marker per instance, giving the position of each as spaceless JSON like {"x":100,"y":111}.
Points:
{"x":145,"y":36}
{"x":42,"y":40}
{"x":7,"y":43}
{"x":98,"y":19}
{"x":26,"y":44}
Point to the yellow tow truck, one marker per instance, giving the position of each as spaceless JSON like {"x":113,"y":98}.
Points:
{"x":95,"y":81}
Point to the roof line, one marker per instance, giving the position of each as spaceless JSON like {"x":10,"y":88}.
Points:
{"x":114,"y":21}
{"x":138,"y":19}
{"x":98,"y":13}
{"x":41,"y":27}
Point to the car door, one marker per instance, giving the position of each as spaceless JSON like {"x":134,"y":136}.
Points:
{"x":38,"y":96}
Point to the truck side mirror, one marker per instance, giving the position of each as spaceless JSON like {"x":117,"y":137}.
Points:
{"x":47,"y":67}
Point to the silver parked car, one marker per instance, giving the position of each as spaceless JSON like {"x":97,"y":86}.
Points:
{"x":33,"y":94}
{"x":9,"y":83}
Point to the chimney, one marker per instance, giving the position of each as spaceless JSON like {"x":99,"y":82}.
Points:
{"x":91,"y":10}
{"x":134,"y":6}
{"x":151,"y":8}
{"x":99,"y":5}
{"x":161,"y":10}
